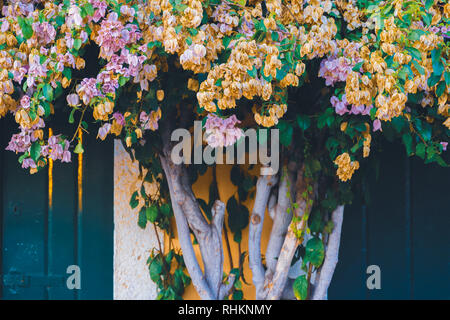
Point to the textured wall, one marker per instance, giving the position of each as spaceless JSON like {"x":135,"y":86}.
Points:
{"x":132,"y":245}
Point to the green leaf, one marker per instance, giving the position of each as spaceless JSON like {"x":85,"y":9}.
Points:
{"x":303,"y":122}
{"x":407,"y":141}
{"x":314,"y":252}
{"x":142,"y":219}
{"x":286,"y":132}
{"x":252,"y":73}
{"x":77,"y":44}
{"x":447,"y":78}
{"x":35,"y":151}
{"x":151,"y":213}
{"x":433,"y":79}
{"x":418,"y":67}
{"x":440,"y":88}
{"x":155,"y":269}
{"x":48,"y":92}
{"x":358,"y":66}
{"x":438,"y":67}
{"x":238,"y":295}
{"x":27,"y":30}
{"x":166,"y":210}
{"x":415,"y":53}
{"x":134,"y":200}
{"x":275,"y":36}
{"x":428,"y":4}
{"x":420,"y":150}
{"x":300,"y":287}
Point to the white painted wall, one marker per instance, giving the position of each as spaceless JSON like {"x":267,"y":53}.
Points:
{"x":132,"y":245}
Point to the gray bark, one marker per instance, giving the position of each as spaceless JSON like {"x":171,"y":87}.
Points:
{"x":263,"y":187}
{"x":209,"y":236}
{"x":331,"y":256}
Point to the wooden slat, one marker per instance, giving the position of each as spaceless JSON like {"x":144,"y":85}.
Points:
{"x":96,"y":223}
{"x":24,"y":212}
{"x":430,"y":229}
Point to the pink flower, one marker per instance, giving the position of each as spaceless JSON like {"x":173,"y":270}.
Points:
{"x":28,"y":163}
{"x":377,"y":125}
{"x":25,"y":102}
{"x":101,"y":9}
{"x":222,"y":132}
{"x":110,"y":37}
{"x":119,"y":118}
{"x":87,"y":90}
{"x":45,"y":32}
{"x":357,"y":109}
{"x":339,"y":106}
{"x":149,"y":121}
{"x":103,"y":131}
{"x":444,"y":145}
{"x":73,"y":100}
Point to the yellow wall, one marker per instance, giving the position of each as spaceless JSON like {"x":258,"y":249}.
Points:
{"x":226,"y":190}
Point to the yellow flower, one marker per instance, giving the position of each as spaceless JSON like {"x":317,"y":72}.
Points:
{"x":160,"y":95}
{"x":193,"y":84}
{"x":346,"y":167}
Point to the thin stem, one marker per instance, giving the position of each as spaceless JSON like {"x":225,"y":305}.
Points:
{"x":309,"y":280}
{"x":79,"y":124}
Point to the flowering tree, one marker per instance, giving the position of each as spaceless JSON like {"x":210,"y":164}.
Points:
{"x":331,"y":76}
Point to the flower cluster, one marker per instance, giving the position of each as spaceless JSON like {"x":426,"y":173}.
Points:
{"x":376,"y":58}
{"x":346,"y":167}
{"x":221,"y":132}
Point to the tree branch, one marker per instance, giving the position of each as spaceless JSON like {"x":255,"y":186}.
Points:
{"x":263,"y":187}
{"x":277,"y":284}
{"x":281,"y":219}
{"x":209,"y":236}
{"x":331,"y":256}
{"x":184,"y":238}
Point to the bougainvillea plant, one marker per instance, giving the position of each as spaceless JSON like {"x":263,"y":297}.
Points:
{"x":332,"y":76}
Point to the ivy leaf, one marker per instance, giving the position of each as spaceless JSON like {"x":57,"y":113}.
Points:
{"x":300,"y":287}
{"x":238,"y":295}
{"x":303,"y":122}
{"x":155,"y":269}
{"x":314,"y":252}
{"x":151,"y":213}
{"x":134,"y":200}
{"x":166,"y":210}
{"x":286,"y":132}
{"x":142,"y":219}
{"x":420,"y":150}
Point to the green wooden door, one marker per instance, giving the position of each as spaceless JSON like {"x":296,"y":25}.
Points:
{"x":58,"y":217}
{"x":404,"y":230}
